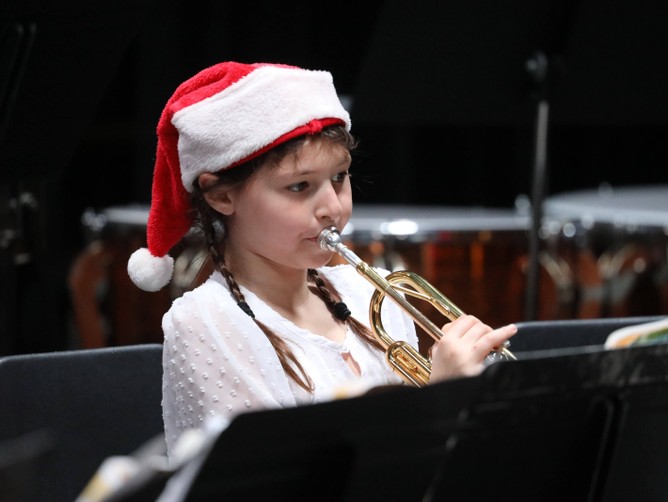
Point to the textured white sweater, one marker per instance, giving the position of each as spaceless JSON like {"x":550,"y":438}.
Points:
{"x":218,"y":363}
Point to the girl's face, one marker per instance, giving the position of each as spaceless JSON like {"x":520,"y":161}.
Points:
{"x":279,"y":213}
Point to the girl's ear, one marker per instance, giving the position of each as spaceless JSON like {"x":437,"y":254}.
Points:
{"x":219,"y":198}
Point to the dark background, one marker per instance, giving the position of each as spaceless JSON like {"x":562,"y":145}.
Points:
{"x":440,"y":96}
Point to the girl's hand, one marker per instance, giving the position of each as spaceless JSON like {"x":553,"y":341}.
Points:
{"x":462,"y":349}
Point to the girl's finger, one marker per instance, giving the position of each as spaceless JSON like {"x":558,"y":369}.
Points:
{"x":494,"y":339}
{"x":460,"y":326}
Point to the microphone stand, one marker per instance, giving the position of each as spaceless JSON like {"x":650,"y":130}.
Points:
{"x":538,"y":67}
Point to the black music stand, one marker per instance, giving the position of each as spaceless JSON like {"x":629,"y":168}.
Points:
{"x":596,"y":418}
{"x":567,"y":427}
{"x":526,"y":64}
{"x":342,"y":450}
{"x":637,"y":468}
{"x":57,"y":60}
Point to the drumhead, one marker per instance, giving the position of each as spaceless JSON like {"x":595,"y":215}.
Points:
{"x":127,"y":215}
{"x":625,"y":206}
{"x":425,"y":223}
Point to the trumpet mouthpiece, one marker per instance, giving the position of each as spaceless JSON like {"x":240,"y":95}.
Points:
{"x":329,"y":238}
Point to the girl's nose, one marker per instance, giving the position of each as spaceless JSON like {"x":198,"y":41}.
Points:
{"x":329,"y":205}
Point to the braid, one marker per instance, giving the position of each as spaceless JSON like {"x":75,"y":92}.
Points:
{"x":326,"y":295}
{"x":334,"y":307}
{"x":285,"y":355}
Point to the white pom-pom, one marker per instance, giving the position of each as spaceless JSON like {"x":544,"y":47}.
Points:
{"x":148,"y":272}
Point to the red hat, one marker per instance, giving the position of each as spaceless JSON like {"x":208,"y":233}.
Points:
{"x":222,"y":117}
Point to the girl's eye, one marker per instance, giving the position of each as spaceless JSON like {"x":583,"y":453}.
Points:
{"x":298,"y":187}
{"x":340,"y":177}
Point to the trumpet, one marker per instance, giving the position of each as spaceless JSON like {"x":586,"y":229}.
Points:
{"x":403,"y":358}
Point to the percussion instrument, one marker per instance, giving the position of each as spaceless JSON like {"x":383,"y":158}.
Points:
{"x":613,"y":242}
{"x":108,"y":309}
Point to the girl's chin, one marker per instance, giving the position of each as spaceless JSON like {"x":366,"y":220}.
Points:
{"x":325,"y":258}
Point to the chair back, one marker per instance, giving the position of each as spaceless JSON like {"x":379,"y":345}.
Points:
{"x":92,"y":403}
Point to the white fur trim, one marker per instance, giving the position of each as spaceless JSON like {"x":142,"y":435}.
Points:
{"x":148,"y":272}
{"x":249,"y":115}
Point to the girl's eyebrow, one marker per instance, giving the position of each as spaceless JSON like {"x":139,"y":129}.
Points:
{"x":307,"y":170}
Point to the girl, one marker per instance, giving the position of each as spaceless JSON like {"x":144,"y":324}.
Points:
{"x":258,"y":156}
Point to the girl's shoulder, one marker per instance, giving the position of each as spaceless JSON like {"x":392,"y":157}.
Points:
{"x":213,"y":291}
{"x":209,"y":306}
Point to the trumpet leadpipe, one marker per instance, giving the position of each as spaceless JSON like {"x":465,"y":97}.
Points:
{"x":330,"y":239}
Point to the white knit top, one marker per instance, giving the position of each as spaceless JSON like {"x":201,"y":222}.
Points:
{"x":218,"y":363}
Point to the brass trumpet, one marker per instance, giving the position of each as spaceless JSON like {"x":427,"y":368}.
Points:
{"x":404,"y":359}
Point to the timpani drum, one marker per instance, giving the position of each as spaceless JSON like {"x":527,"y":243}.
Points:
{"x":474,"y":256}
{"x":614,"y":243}
{"x":108,"y":309}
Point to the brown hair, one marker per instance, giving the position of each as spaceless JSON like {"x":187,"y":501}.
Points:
{"x":212,"y":225}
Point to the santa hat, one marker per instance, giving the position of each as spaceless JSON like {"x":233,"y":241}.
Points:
{"x":222,"y":117}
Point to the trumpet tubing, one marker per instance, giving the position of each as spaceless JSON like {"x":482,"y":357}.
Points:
{"x":404,"y":359}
